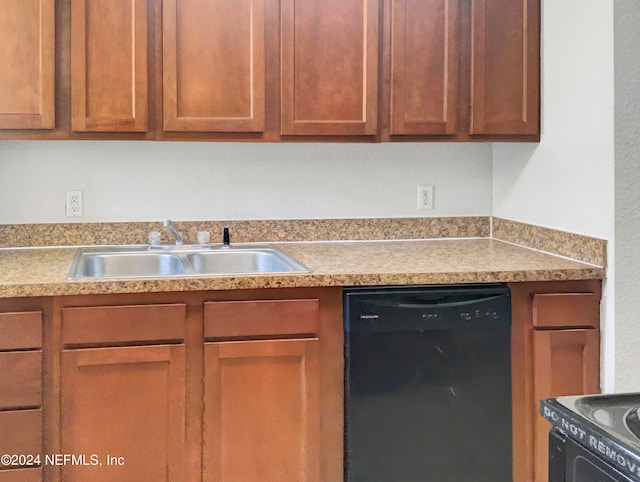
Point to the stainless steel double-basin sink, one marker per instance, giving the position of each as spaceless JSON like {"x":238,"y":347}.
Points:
{"x":175,"y":261}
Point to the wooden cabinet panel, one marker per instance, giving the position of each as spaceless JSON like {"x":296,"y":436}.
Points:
{"x":505,"y":66}
{"x":424,"y":66}
{"x":123,"y":324}
{"x":547,"y":363}
{"x":329,"y":56}
{"x":261,"y":318}
{"x":562,"y":310}
{"x":20,"y":331}
{"x":566,"y":362}
{"x":21,"y":475}
{"x":27,"y":51}
{"x":214,"y":65}
{"x":21,"y":432}
{"x":262,"y":412}
{"x":127,"y":402}
{"x":21,"y":379}
{"x":109,"y":85}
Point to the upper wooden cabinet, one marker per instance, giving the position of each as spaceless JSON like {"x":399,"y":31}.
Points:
{"x":213,"y":65}
{"x":463,"y":68}
{"x":329,"y":67}
{"x":271,"y":70}
{"x":27,"y":49}
{"x":505,"y":59}
{"x":424,"y":66}
{"x":109,"y":65}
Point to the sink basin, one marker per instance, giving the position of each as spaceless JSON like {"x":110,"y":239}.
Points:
{"x":225,"y":261}
{"x":145,"y":262}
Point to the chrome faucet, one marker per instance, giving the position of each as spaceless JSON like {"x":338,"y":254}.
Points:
{"x":177,"y":235}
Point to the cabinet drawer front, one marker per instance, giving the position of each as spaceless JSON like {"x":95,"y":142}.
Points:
{"x":21,"y":475}
{"x":21,"y":380}
{"x":261,"y":318}
{"x":20,"y":331}
{"x":21,"y":433}
{"x":558,"y":310}
{"x":123,"y":324}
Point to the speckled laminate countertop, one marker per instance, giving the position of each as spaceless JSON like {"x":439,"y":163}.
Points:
{"x":43,"y":271}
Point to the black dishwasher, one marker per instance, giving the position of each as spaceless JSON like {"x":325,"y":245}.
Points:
{"x":428,"y":384}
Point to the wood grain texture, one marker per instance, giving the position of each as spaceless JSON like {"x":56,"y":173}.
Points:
{"x":329,"y":63}
{"x":20,"y":331}
{"x":505,"y":67}
{"x":20,"y":379}
{"x":424,"y":66}
{"x":27,"y":57}
{"x":563,"y":310}
{"x":525,"y":405}
{"x":261,"y":318}
{"x":21,"y":432}
{"x":109,"y":79}
{"x":21,"y":475}
{"x":566,"y":362}
{"x":127,"y":402}
{"x":214,"y":65}
{"x":262,"y":411}
{"x":90,"y":325}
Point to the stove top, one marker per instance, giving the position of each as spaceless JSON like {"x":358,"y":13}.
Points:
{"x":607,"y":425}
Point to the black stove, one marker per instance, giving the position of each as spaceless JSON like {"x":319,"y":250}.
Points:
{"x":595,"y":438}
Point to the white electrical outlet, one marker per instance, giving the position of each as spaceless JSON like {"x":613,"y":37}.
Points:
{"x":425,"y":197}
{"x":73,"y":203}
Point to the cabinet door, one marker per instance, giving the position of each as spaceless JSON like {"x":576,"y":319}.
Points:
{"x":262,"y":412}
{"x":125,"y":402}
{"x":109,"y":65}
{"x":505,"y":58}
{"x":213,"y":57}
{"x":329,"y":67}
{"x":424,"y":66}
{"x":27,"y":50}
{"x":565,"y":363}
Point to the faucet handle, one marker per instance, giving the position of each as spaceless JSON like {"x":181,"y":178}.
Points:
{"x":154,"y":238}
{"x":204,"y":237}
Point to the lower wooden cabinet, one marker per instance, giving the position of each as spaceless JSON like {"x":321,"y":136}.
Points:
{"x":22,"y":475}
{"x":226,"y":386}
{"x":21,"y":389}
{"x":239,"y":385}
{"x":556,"y":352}
{"x":566,"y":362}
{"x":21,"y":434}
{"x":124,"y":409}
{"x":262,"y":411}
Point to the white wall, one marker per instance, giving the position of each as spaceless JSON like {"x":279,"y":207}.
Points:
{"x":146,"y":181}
{"x":627,"y":197}
{"x":567,"y":181}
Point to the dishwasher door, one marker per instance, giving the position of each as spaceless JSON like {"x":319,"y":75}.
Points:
{"x":428,"y":384}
